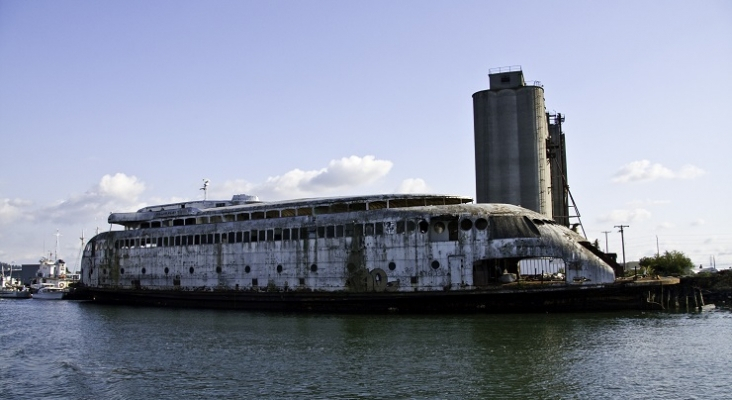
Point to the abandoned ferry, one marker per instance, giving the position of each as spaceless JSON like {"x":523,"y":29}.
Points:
{"x":362,"y":253}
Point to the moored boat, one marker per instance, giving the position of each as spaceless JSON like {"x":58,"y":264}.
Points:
{"x":50,"y":293}
{"x":360,"y":253}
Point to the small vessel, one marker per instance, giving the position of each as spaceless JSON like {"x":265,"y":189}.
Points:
{"x":11,"y":288}
{"x":50,"y":293}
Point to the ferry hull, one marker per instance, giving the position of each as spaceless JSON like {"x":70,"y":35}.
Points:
{"x":564,"y":298}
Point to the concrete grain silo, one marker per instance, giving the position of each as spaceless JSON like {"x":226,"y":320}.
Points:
{"x":511,"y":164}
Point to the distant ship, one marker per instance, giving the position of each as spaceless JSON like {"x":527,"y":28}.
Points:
{"x":361,"y":253}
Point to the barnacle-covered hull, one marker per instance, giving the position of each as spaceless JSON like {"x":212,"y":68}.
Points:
{"x":366,"y":253}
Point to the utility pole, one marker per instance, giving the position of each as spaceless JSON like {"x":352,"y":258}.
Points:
{"x":605,"y":232}
{"x":622,"y":240}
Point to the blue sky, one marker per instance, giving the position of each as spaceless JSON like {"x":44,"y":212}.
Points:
{"x":111,"y":106}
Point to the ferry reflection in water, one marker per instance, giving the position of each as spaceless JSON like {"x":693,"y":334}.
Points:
{"x":94,"y":351}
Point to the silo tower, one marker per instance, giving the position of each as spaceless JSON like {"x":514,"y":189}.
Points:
{"x":511,"y":164}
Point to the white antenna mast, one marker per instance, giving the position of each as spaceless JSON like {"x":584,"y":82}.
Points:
{"x":205,"y":188}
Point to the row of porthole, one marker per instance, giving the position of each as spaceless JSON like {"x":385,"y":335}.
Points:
{"x":313,"y":268}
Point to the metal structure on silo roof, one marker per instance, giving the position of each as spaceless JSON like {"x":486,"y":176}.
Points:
{"x":511,"y":164}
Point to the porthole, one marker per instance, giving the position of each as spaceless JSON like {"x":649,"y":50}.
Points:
{"x":279,"y":269}
{"x":313,"y":268}
{"x":166,"y":270}
{"x":218,"y":270}
{"x":121,"y":270}
{"x":190,"y":270}
{"x":424,"y":226}
{"x":466,"y":224}
{"x":247,"y":269}
{"x":481,"y":224}
{"x":392,"y":266}
{"x":143,"y":270}
{"x":435,"y":264}
{"x":439,"y":227}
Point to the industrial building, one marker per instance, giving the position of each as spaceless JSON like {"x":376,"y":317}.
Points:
{"x":520,"y":154}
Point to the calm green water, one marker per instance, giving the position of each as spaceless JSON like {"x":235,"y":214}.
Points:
{"x":75,"y":350}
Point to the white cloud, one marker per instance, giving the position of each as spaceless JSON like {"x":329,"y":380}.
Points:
{"x":113,"y":193}
{"x":698,"y":222}
{"x":665,"y":225}
{"x":12,"y":210}
{"x":413,"y":185}
{"x":644,"y":171}
{"x":625,"y":216}
{"x":339,"y":175}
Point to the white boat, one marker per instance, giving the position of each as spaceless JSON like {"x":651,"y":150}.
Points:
{"x":11,"y":288}
{"x":50,"y":293}
{"x":15,"y":292}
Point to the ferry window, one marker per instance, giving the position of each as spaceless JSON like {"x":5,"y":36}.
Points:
{"x":273,"y":214}
{"x":218,"y":270}
{"x":230,"y":218}
{"x":435,"y":264}
{"x":322,"y":210}
{"x":423,"y":226}
{"x":239,"y":237}
{"x":305,"y":233}
{"x":439,"y":227}
{"x":357,"y":230}
{"x":321,"y":232}
{"x":400,"y":227}
{"x":122,"y":271}
{"x":210,"y":238}
{"x":397,"y":203}
{"x":220,"y":204}
{"x":392,"y":266}
{"x":434,"y":201}
{"x":295,"y":232}
{"x":203,"y":239}
{"x":232,"y":237}
{"x":254,"y":236}
{"x":155,"y":224}
{"x":202,"y":220}
{"x":177,"y":240}
{"x":339,"y":208}
{"x":279,"y":269}
{"x":349,"y":230}
{"x":245,"y":237}
{"x":302,"y":281}
{"x":305,"y":211}
{"x":144,"y":270}
{"x":339,"y":231}
{"x":217,"y":238}
{"x":452,"y":228}
{"x":262,"y":235}
{"x":190,"y":221}
{"x":178,"y":222}
{"x":290,"y":212}
{"x":254,"y":282}
{"x":377,"y":205}
{"x":278,"y":234}
{"x":369,"y":229}
{"x":379,"y":228}
{"x":357,"y":207}
{"x":481,"y":224}
{"x":137,"y":243}
{"x":166,"y":270}
{"x":197,"y":239}
{"x":215,"y":219}
{"x":411,"y":226}
{"x":330,"y":231}
{"x":160,"y":242}
{"x":191,"y":270}
{"x":144,"y":225}
{"x":247,"y":269}
{"x":184,"y":240}
{"x":242,"y":217}
{"x":285,"y":234}
{"x":313,"y":268}
{"x":190,"y":239}
{"x":270,"y":235}
{"x":258,"y":215}
{"x":466,"y":224}
{"x":415,"y":202}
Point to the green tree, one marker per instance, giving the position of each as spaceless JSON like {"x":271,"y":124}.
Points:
{"x":669,"y":263}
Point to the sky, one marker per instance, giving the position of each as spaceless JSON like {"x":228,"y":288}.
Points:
{"x":111,"y":106}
